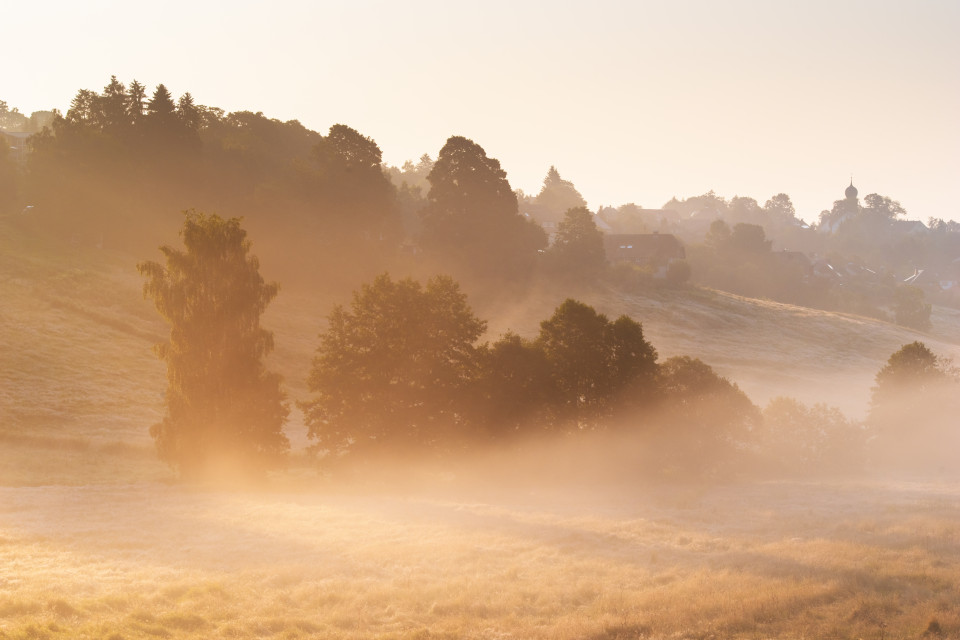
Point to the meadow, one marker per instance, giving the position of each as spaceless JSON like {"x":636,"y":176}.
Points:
{"x":98,"y":540}
{"x":759,"y":560}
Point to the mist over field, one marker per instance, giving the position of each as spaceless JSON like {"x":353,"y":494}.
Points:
{"x":346,"y":399}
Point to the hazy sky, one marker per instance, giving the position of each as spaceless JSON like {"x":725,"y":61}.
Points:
{"x":632,"y":101}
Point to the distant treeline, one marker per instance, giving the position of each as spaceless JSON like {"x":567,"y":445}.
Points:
{"x":117,"y":168}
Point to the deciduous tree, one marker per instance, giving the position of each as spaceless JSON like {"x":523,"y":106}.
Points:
{"x":392,"y":372}
{"x":593,"y":360}
{"x":471,"y":222}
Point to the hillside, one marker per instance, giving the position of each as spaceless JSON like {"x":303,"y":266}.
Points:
{"x":78,"y":375}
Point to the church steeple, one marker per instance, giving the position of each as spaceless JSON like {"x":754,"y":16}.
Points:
{"x":851,"y":191}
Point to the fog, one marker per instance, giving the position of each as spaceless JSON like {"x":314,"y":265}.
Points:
{"x":415,"y":403}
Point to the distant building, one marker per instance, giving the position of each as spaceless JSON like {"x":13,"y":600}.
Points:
{"x":850,"y":207}
{"x":650,"y":249}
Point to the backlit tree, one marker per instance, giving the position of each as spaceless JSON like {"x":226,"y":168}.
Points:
{"x":224,"y":410}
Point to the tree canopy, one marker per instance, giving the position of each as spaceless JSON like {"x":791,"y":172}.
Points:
{"x":592,"y":360}
{"x":393,"y":370}
{"x":471,"y":221}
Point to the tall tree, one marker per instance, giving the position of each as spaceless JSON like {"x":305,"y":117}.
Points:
{"x":224,"y":410}
{"x":392,"y":372}
{"x":355,"y":192}
{"x":113,"y":111}
{"x":188,"y":112}
{"x":136,"y":102}
{"x":161,"y":111}
{"x":471,"y":221}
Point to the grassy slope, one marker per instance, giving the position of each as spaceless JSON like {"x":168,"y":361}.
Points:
{"x":78,"y":374}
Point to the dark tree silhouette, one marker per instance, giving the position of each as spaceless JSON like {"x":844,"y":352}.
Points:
{"x":224,"y":411}
{"x":353,"y":188}
{"x":515,"y":391}
{"x":471,"y":221}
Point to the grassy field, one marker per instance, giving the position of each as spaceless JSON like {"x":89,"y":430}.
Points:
{"x":784,"y":560}
{"x":97,"y":541}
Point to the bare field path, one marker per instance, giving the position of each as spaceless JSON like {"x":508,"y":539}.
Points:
{"x":786,"y":559}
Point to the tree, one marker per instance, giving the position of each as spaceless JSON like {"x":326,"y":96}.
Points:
{"x":136,"y":102}
{"x":471,"y":222}
{"x":718,"y":236}
{"x":224,"y":410}
{"x":882,"y":207}
{"x":353,"y":188}
{"x":811,"y":439}
{"x":744,"y":210}
{"x":592,"y":360}
{"x":558,"y":195}
{"x":188,"y":113}
{"x":112,"y":109}
{"x":706,"y":418}
{"x":913,"y":369}
{"x":749,"y":238}
{"x":392,"y":372}
{"x":577,"y":251}
{"x":913,"y":409}
{"x":780,"y":209}
{"x":160,"y":109}
{"x":515,"y":392}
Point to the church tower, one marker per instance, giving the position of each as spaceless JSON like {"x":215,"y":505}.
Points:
{"x":851,"y":192}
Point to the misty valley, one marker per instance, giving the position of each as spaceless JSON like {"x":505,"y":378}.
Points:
{"x":258,"y":383}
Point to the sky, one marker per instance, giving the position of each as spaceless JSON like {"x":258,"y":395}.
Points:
{"x":632,"y":101}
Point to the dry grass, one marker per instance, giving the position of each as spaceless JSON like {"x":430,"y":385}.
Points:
{"x":767,"y":560}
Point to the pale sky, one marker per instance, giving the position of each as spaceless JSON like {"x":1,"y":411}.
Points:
{"x":632,"y":101}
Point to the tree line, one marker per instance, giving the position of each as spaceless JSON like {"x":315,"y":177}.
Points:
{"x":401,"y":369}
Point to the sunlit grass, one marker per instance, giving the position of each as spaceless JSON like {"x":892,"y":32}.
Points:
{"x":777,"y":560}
